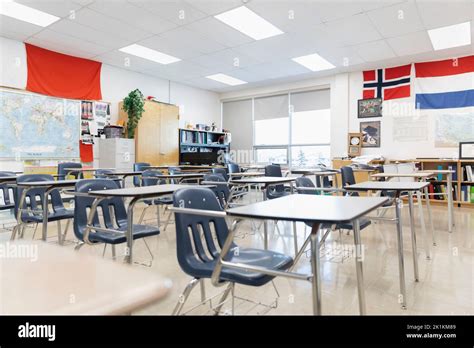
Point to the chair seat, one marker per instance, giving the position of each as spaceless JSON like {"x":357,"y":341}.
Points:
{"x":255,"y":257}
{"x":277,"y":194}
{"x":363,"y":222}
{"x":160,"y":200}
{"x":60,"y":214}
{"x":7,"y":206}
{"x":139,"y":231}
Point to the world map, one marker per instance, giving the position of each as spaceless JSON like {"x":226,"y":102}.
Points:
{"x":35,"y":126}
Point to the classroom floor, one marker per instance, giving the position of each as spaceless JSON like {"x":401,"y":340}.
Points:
{"x":446,"y":284}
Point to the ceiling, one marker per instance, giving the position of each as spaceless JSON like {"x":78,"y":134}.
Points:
{"x":351,"y":34}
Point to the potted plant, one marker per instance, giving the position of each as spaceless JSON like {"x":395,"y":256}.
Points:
{"x":133,"y":106}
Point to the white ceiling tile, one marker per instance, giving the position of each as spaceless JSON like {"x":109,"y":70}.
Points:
{"x":126,"y":61}
{"x":353,"y":30}
{"x":226,"y":60}
{"x":213,"y":7}
{"x":99,"y":21}
{"x":179,"y":71}
{"x":173,"y":48}
{"x":73,"y":28}
{"x":70,"y":43}
{"x":219,"y":32}
{"x":331,"y":10}
{"x":60,"y":8}
{"x":435,"y":14}
{"x":412,"y":43}
{"x":17,"y":30}
{"x":396,"y":20}
{"x":342,"y":56}
{"x":204,"y":83}
{"x":369,"y":5}
{"x":375,"y":51}
{"x":288,"y":16}
{"x":62,"y":47}
{"x":136,"y":16}
{"x":176,"y":11}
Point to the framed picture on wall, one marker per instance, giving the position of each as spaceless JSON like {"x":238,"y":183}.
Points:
{"x":369,"y":108}
{"x":466,"y":150}
{"x":370,"y":133}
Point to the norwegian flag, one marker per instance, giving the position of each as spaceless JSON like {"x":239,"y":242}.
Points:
{"x":389,"y":83}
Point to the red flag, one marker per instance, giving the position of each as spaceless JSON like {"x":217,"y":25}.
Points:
{"x":389,"y":83}
{"x":61,"y":75}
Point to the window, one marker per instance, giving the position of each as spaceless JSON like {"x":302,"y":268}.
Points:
{"x":271,"y":121}
{"x":310,"y":156}
{"x":271,"y":155}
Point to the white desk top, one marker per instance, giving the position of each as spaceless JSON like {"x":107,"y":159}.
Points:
{"x":387,"y":186}
{"x":143,"y":191}
{"x":64,"y":281}
{"x":403,"y":175}
{"x":268,"y":180}
{"x":55,"y":183}
{"x":311,"y":208}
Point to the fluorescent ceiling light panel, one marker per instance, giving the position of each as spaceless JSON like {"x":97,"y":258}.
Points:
{"x":148,"y":53}
{"x":314,"y":62}
{"x":249,"y":23}
{"x":228,"y":80}
{"x":26,"y":14}
{"x":451,"y":36}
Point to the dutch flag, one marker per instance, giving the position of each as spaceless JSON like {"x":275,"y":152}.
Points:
{"x":445,"y":84}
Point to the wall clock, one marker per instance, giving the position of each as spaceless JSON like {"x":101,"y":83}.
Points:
{"x":355,"y":144}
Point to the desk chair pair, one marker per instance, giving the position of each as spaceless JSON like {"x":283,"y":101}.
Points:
{"x":31,"y":211}
{"x":106,"y":222}
{"x":8,"y":193}
{"x":63,"y":173}
{"x":201,"y":232}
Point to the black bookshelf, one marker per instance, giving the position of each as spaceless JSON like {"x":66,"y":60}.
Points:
{"x":201,"y":147}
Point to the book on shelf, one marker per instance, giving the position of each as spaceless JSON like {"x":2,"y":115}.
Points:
{"x":472,"y":195}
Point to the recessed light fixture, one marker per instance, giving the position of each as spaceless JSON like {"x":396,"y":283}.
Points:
{"x":148,"y":53}
{"x":314,"y":62}
{"x":26,"y":14}
{"x":228,"y":80}
{"x":451,"y":36}
{"x":248,"y":23}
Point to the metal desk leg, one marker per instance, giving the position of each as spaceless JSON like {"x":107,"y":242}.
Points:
{"x":315,"y":267}
{"x":401,"y":264}
{"x":295,"y":231}
{"x":359,"y":269}
{"x":430,"y":217}
{"x":413,"y":234}
{"x":450,"y":202}
{"x":44,"y":233}
{"x":265,"y":234}
{"x":129,"y":250}
{"x":423,"y":226}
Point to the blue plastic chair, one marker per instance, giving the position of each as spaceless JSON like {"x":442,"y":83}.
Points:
{"x":198,"y":247}
{"x":275,"y":191}
{"x":222,"y":172}
{"x":32,"y":207}
{"x":8,"y":203}
{"x":139,"y":167}
{"x":213,"y":178}
{"x":101,"y":174}
{"x":116,"y":223}
{"x":62,"y":173}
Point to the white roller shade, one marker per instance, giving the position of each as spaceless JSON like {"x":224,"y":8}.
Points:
{"x":311,"y":100}
{"x":237,"y":117}
{"x":271,"y":107}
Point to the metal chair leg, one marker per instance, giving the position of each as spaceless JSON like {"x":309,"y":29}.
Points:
{"x":167,"y":222}
{"x":105,"y":247}
{"x":142,"y":215}
{"x":113,"y":252}
{"x":34,"y":232}
{"x":223,"y":298}
{"x":58,"y":223}
{"x":184,"y":296}
{"x":158,"y":219}
{"x":79,"y":246}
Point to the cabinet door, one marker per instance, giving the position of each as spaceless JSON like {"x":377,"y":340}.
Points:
{"x":147,"y":135}
{"x":169,"y":143}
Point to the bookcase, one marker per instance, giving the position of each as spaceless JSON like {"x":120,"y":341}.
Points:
{"x":463,"y":185}
{"x":201,"y":147}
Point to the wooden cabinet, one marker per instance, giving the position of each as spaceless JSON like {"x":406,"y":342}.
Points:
{"x":156,"y":137}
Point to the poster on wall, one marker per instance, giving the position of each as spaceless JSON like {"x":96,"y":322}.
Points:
{"x":371,"y":133}
{"x":410,"y":129}
{"x":369,"y":108}
{"x":451,"y":129}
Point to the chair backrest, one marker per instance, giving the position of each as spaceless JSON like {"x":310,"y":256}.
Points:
{"x":112,"y":210}
{"x":275,"y":171}
{"x":138,"y":167}
{"x":8,"y":191}
{"x":151,"y":177}
{"x":221,"y":171}
{"x":304,"y":181}
{"x":233,"y":168}
{"x":100,"y":173}
{"x":390,"y":168}
{"x":196,"y":255}
{"x":34,"y":197}
{"x":213,"y":177}
{"x":347,"y":176}
{"x":63,"y":173}
{"x":325,"y":183}
{"x":406,"y":168}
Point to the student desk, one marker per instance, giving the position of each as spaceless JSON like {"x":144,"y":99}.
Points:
{"x":449,"y":184}
{"x":136,"y":194}
{"x":61,"y":281}
{"x":397,"y":187}
{"x":421,"y":176}
{"x":124,"y":174}
{"x":309,"y":209}
{"x":70,"y":171}
{"x":318,"y":173}
{"x":267,"y":181}
{"x":48,"y":186}
{"x":181,"y":177}
{"x":246,"y":174}
{"x":8,"y":179}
